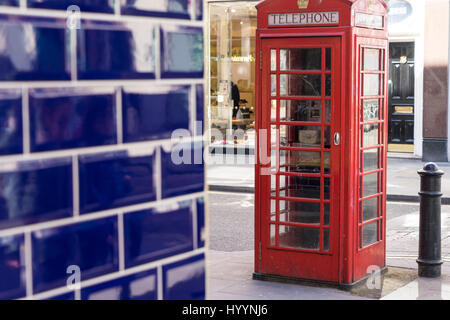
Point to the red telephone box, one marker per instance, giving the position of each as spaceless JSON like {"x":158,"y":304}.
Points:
{"x":321,"y":169}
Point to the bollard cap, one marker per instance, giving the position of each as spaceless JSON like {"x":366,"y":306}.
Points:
{"x":431,"y":168}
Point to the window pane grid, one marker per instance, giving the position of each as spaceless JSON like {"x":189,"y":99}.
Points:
{"x":323,"y":149}
{"x":372,"y":121}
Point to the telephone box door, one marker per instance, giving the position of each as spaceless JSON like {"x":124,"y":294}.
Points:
{"x":300,"y":180}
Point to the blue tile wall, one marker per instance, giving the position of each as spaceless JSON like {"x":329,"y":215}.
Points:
{"x":110,"y":180}
{"x":12,"y":267}
{"x":158,"y":233}
{"x":63,"y":297}
{"x":140,"y":286}
{"x":171,"y":104}
{"x":181,"y":52}
{"x":184,"y":177}
{"x":201,"y":222}
{"x":89,"y":174}
{"x":35,"y":191}
{"x":109,"y":50}
{"x":34,"y":49}
{"x":72,"y":118}
{"x":200,"y":100}
{"x":199,"y":9}
{"x":161,"y":8}
{"x":10,"y":121}
{"x":92,"y":246}
{"x":9,"y":3}
{"x":105,"y":6}
{"x":185,"y":280}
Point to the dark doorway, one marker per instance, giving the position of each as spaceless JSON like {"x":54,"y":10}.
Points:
{"x":401,"y":97}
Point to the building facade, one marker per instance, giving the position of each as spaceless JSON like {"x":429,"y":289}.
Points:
{"x":418,"y":62}
{"x":91,"y":204}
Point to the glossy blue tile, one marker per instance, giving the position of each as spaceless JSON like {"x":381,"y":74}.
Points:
{"x":200,"y":110}
{"x":158,"y":233}
{"x":155,"y":112}
{"x":115,"y":179}
{"x":180,"y":173}
{"x":201,"y":222}
{"x":140,"y":286}
{"x":158,"y":8}
{"x":72,"y":118}
{"x":104,"y":6}
{"x":33,"y":49}
{"x":185,"y":280}
{"x":12,"y":267}
{"x":199,"y":9}
{"x":113,"y":50}
{"x":35,"y":191}
{"x":181,"y":52}
{"x":63,"y":297}
{"x":14,"y":3}
{"x":92,"y":246}
{"x":10,"y":121}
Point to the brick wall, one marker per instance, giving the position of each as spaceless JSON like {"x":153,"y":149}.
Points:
{"x":86,"y":177}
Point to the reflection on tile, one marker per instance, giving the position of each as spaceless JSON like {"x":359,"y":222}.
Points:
{"x":113,"y":50}
{"x":35,"y":191}
{"x":115,"y":179}
{"x":12,"y":267}
{"x":104,"y":6}
{"x":159,"y":8}
{"x":92,"y":246}
{"x":201,"y":222}
{"x":140,"y":286}
{"x":158,"y":233}
{"x":423,"y":289}
{"x":181,"y":52}
{"x":154,"y":112}
{"x":33,"y":49}
{"x":10,"y":121}
{"x":185,"y":280}
{"x":180,"y":173}
{"x":66,"y":296}
{"x":72,"y":118}
{"x":9,"y":3}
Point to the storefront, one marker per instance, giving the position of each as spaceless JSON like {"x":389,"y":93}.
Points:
{"x":412,"y":115}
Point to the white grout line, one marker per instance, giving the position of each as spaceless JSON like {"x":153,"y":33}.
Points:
{"x":22,"y":4}
{"x":117,"y":8}
{"x":159,"y":283}
{"x":113,"y":17}
{"x":194,"y":217}
{"x":75,"y":186}
{"x":158,"y":174}
{"x":112,"y":276}
{"x":28,"y":264}
{"x":25,"y":121}
{"x":98,"y":83}
{"x":97,"y":215}
{"x":121,"y":241}
{"x":94,"y":150}
{"x":119,"y":116}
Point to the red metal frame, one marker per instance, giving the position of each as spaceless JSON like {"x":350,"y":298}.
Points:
{"x":346,"y":262}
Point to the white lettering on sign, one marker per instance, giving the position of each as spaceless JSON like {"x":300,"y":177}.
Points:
{"x":303,"y":19}
{"x":368,"y":20}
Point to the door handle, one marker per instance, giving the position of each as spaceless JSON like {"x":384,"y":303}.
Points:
{"x":337,"y":139}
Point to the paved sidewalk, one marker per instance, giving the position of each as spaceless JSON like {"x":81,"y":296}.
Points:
{"x":230,"y":258}
{"x":403,"y":182}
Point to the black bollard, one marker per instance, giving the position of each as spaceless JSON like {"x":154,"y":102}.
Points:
{"x":430,"y":221}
